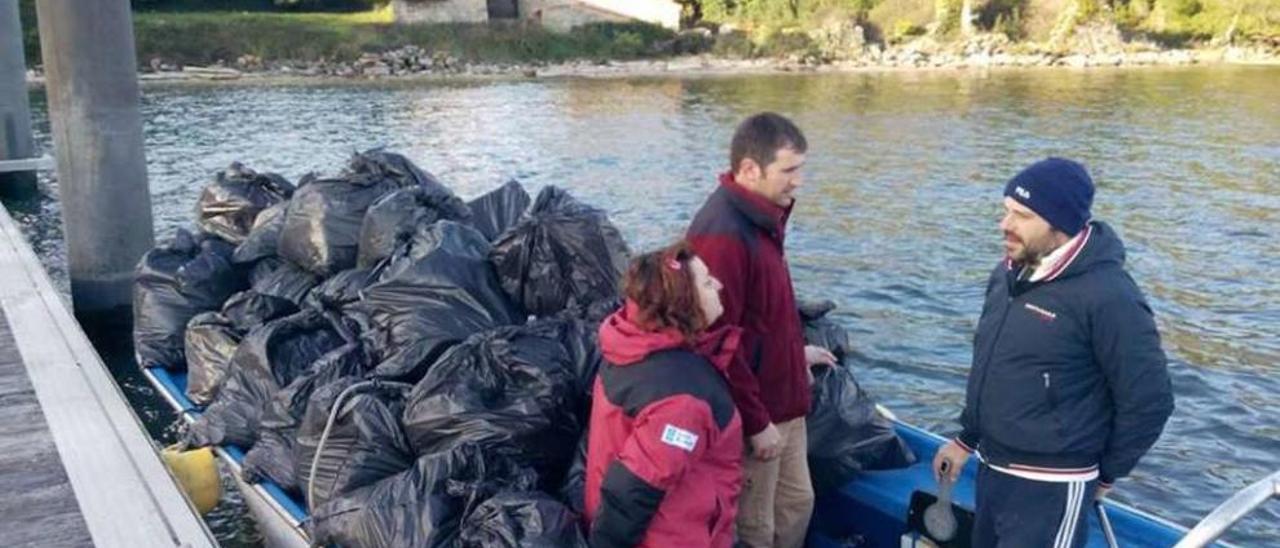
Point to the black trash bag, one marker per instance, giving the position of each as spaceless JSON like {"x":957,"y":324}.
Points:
{"x":423,"y":506}
{"x":230,"y":204}
{"x":280,"y":278}
{"x":269,"y":358}
{"x":522,"y":520}
{"x":233,"y":416}
{"x":580,"y":339}
{"x":593,"y":312}
{"x":379,"y":163}
{"x":271,"y":458}
{"x":394,"y":217}
{"x":211,"y":340}
{"x":366,"y":443}
{"x":275,"y":455}
{"x":846,"y":433}
{"x":512,"y":390}
{"x":322,"y":226}
{"x":574,"y":491}
{"x":249,"y":309}
{"x":264,"y":237}
{"x":495,"y":212}
{"x":434,"y":292}
{"x":340,"y":291}
{"x":563,"y":253}
{"x":262,"y":269}
{"x":819,"y":330}
{"x":173,"y":283}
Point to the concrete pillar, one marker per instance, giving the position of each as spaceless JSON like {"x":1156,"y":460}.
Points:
{"x":15,"y":111}
{"x":92,"y":84}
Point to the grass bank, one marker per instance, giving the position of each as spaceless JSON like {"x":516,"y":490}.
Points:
{"x":201,"y":38}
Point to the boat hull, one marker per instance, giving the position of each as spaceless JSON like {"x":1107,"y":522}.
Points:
{"x":872,"y":510}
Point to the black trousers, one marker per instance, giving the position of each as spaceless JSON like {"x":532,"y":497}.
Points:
{"x":1014,"y":512}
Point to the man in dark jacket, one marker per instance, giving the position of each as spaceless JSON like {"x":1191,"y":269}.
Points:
{"x":739,"y":233}
{"x":1069,"y":386}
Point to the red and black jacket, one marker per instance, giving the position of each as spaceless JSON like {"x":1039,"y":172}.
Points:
{"x":740,"y":236}
{"x":664,"y":453}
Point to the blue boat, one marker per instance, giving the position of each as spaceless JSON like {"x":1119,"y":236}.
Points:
{"x":279,"y":515}
{"x":878,"y":509}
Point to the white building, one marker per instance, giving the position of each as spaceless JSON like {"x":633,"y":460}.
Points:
{"x":555,"y":14}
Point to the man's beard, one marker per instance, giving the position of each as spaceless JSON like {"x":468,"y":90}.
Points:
{"x":1032,"y":252}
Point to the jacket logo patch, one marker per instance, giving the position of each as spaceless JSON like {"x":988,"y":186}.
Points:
{"x":1042,"y":313}
{"x":679,"y":437}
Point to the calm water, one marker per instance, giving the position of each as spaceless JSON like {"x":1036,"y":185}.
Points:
{"x":897,"y":221}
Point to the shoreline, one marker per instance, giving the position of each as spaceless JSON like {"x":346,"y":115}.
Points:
{"x":385,"y":67}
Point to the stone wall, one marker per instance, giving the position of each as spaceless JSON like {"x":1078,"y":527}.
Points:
{"x":555,"y":14}
{"x":665,"y":13}
{"x":440,"y":11}
{"x":566,"y":14}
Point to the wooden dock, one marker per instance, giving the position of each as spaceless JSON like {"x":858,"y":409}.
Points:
{"x":76,"y":465}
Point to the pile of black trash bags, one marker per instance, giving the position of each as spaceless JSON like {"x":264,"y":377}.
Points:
{"x":415,"y":367}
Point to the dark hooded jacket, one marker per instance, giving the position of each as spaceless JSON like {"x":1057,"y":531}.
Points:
{"x":1068,"y":375}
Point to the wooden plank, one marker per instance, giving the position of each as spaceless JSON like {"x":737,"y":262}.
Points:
{"x":39,"y":507}
{"x":43,"y":163}
{"x":125,"y":494}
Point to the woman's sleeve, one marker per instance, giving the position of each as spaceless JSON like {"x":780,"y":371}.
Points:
{"x":667,"y":437}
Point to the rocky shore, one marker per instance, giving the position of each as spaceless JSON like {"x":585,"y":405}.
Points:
{"x":696,"y":52}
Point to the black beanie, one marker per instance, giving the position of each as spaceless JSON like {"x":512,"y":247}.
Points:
{"x":1058,"y":190}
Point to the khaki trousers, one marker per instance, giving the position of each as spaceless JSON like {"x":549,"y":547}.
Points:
{"x":777,"y":498}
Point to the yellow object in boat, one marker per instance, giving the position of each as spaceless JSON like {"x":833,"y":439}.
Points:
{"x":197,"y":472}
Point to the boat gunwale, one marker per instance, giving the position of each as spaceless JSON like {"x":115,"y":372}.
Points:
{"x":189,"y":415}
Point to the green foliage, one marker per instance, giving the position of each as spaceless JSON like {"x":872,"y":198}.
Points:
{"x":203,"y":38}
{"x":1002,"y":17}
{"x":1182,"y":8}
{"x":903,"y":29}
{"x":736,"y":45}
{"x":330,"y":5}
{"x":946,"y":14}
{"x":897,"y":19}
{"x":718,"y":10}
{"x":1176,"y":20}
{"x":785,"y":42}
{"x":1184,"y":22}
{"x":628,"y":44}
{"x":256,"y":5}
{"x":202,"y":5}
{"x":778,"y":12}
{"x":1009,"y":24}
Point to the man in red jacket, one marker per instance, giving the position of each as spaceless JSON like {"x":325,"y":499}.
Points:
{"x":739,"y":233}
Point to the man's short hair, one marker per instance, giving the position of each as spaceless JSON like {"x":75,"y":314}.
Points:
{"x":761,"y":136}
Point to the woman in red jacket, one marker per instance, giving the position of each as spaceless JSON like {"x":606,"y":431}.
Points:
{"x":664,"y":454}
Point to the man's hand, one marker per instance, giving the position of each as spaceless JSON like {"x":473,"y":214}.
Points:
{"x":767,"y":444}
{"x":953,"y":454}
{"x":817,"y":355}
